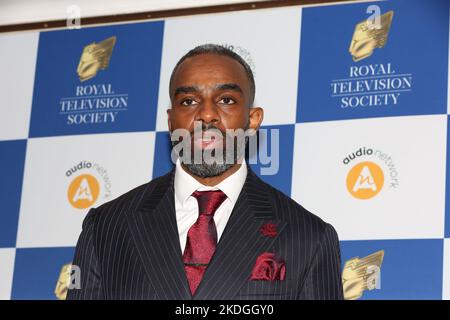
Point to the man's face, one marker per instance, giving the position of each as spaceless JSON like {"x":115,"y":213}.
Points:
{"x":215,"y":91}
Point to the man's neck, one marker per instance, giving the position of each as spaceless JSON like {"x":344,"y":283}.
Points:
{"x":213,"y":181}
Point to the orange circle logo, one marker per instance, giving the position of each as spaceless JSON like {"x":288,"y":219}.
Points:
{"x":365,"y":180}
{"x":83,"y":191}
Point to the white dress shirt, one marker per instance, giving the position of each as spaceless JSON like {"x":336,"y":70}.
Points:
{"x":186,"y":205}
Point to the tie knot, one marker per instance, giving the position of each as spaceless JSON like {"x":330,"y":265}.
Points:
{"x":209,"y":201}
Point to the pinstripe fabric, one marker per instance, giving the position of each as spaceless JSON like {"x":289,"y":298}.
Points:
{"x":129,"y":249}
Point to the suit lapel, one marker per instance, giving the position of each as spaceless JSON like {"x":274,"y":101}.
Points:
{"x":154,"y":230}
{"x":241,"y":243}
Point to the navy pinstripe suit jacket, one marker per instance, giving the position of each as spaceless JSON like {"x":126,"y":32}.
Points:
{"x":129,"y":249}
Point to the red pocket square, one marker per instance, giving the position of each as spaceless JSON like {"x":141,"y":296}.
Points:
{"x":268,"y":267}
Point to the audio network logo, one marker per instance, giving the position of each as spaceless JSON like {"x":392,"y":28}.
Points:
{"x":93,"y":103}
{"x":368,"y":176}
{"x":244,"y":53}
{"x":88,"y":182}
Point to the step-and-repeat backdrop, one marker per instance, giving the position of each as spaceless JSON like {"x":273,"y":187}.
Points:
{"x":358,"y":93}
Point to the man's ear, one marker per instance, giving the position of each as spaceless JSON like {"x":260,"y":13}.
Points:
{"x":169,"y":123}
{"x":256,"y":116}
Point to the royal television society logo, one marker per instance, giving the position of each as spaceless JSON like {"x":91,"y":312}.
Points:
{"x":88,"y":182}
{"x":370,"y":34}
{"x":69,"y":278}
{"x":361,"y":274}
{"x":371,"y":170}
{"x":62,"y":285}
{"x":374,"y":85}
{"x":95,"y":56}
{"x":93,"y":103}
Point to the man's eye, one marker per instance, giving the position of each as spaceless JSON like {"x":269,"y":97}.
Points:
{"x":227,"y":100}
{"x":188,"y":102}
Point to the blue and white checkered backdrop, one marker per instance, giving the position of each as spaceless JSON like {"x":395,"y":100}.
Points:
{"x":363,"y":143}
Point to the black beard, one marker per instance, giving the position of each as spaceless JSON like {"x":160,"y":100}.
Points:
{"x":208,"y":170}
{"x":205,"y":170}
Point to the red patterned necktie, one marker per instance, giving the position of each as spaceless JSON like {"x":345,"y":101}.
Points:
{"x":202,"y":237}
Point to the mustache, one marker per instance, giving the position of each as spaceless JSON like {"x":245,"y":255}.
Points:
{"x":207,"y":127}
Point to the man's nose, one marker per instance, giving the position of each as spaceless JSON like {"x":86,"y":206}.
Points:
{"x":208,"y":112}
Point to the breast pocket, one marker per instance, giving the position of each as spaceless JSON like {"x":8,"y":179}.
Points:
{"x":263,"y":289}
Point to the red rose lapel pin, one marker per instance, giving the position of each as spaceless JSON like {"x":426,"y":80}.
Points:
{"x":269,"y":230}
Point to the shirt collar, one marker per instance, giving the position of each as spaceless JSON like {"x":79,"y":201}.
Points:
{"x":185,"y":184}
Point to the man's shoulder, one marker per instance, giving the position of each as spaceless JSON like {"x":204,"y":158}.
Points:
{"x":302,"y":223}
{"x":128,"y":202}
{"x":289,"y":210}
